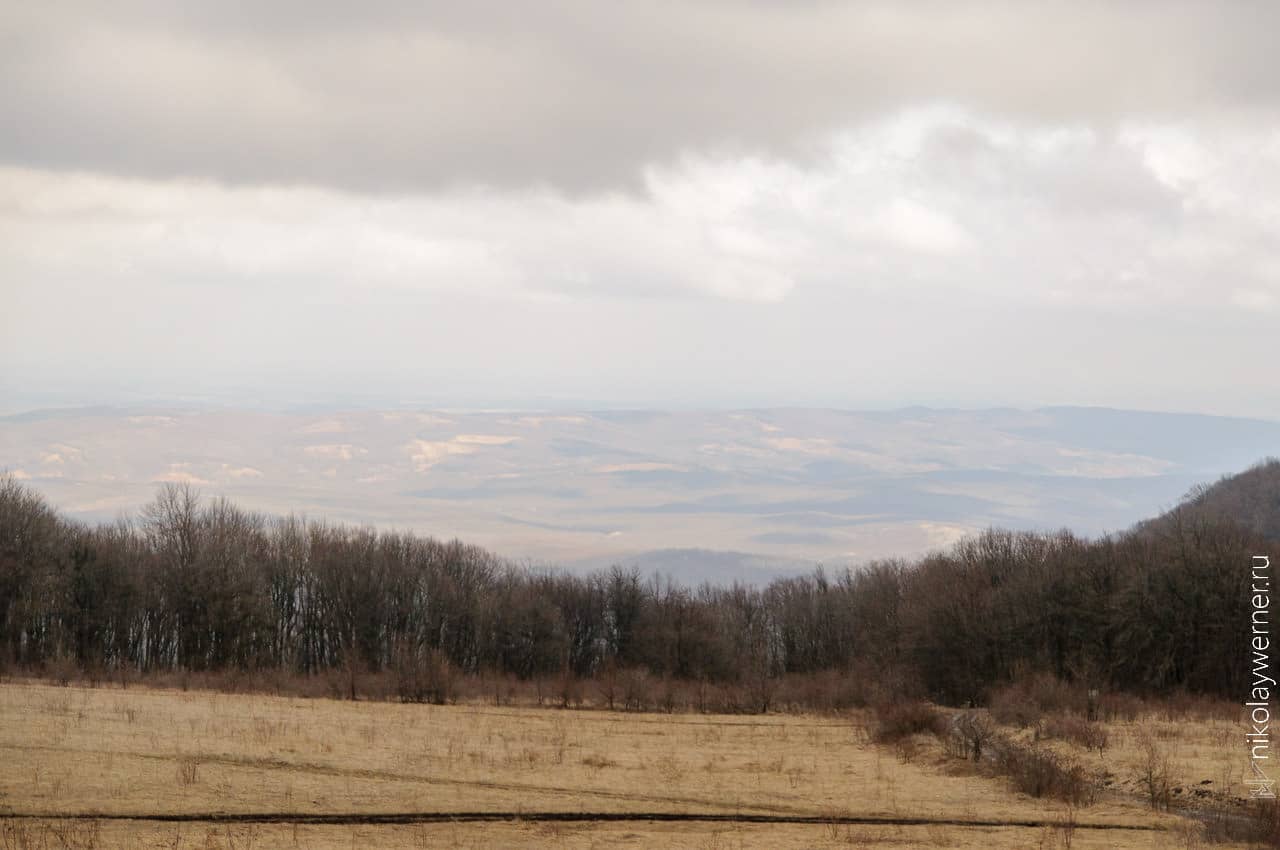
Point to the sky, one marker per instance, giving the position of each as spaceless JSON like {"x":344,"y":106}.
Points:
{"x":716,"y":204}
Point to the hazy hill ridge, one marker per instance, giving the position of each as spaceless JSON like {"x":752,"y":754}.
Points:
{"x":759,"y":492}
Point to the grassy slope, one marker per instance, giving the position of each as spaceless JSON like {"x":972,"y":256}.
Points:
{"x":79,"y":750}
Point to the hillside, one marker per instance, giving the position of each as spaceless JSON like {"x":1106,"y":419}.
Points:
{"x":1251,"y":498}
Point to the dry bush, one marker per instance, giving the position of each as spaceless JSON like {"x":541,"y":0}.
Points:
{"x":1040,"y":773}
{"x":569,"y":690}
{"x":188,"y":772}
{"x":1075,"y":730}
{"x":606,"y":682}
{"x":730,"y":699}
{"x":823,"y":691}
{"x":1118,"y":706}
{"x":702,"y":692}
{"x":1061,"y":835}
{"x":1182,"y":706}
{"x":972,"y":733}
{"x":1013,"y":707}
{"x":421,"y":674}
{"x":1263,"y":818}
{"x":636,"y":687}
{"x":669,"y":768}
{"x":898,"y":720}
{"x":502,"y":688}
{"x":62,"y":669}
{"x":669,"y":695}
{"x":18,"y":834}
{"x":1052,"y":694}
{"x":1231,"y":820}
{"x":906,"y":749}
{"x":1154,"y":773}
{"x":1023,"y":702}
{"x":335,"y":683}
{"x":598,"y":762}
{"x":1030,"y":770}
{"x":94,"y":673}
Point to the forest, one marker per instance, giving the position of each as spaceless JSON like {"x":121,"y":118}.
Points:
{"x":199,"y":585}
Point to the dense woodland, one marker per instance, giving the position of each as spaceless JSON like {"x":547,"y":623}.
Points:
{"x":201,"y":585}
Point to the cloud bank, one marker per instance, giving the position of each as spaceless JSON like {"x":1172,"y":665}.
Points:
{"x":725,"y":202}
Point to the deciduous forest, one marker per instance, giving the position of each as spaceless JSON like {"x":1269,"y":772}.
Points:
{"x":200,"y":585}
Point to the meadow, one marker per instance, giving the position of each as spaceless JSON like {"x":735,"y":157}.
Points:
{"x":84,"y":767}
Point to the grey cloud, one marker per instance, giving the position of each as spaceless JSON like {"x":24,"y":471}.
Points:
{"x":579,"y":95}
{"x":932,"y":199}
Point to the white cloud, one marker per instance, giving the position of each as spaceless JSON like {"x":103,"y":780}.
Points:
{"x":918,"y":228}
{"x":929,"y":198}
{"x":1253,"y":299}
{"x":578,"y":94}
{"x":724,"y":277}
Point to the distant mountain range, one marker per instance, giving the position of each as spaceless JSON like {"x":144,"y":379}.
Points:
{"x":700,"y":495}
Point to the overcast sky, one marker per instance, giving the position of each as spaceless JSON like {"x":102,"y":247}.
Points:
{"x":694,"y":204}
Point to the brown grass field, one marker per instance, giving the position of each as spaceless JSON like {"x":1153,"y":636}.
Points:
{"x":105,"y":767}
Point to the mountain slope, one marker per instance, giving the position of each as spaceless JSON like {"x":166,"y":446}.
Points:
{"x":1251,"y":498}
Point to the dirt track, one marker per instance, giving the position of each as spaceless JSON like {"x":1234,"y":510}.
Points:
{"x":393,"y":818}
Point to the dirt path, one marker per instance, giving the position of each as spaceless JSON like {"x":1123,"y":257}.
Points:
{"x":393,"y":818}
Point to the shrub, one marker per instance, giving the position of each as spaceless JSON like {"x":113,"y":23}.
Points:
{"x":569,"y":689}
{"x":1041,"y":773}
{"x":1263,"y":822}
{"x":971,"y":735}
{"x":62,"y":669}
{"x":607,"y":683}
{"x":1180,"y":706}
{"x":1117,"y":706}
{"x":823,"y":690}
{"x":598,"y":762}
{"x":636,"y":686}
{"x":1013,"y":707}
{"x":1051,"y":694}
{"x":1154,"y":773}
{"x":188,"y":772}
{"x":898,"y":720}
{"x":1023,"y":702}
{"x":422,"y":675}
{"x":1075,"y":730}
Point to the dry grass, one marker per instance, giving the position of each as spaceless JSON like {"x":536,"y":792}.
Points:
{"x":73,"y":750}
{"x":1204,"y":755}
{"x":1188,"y":758}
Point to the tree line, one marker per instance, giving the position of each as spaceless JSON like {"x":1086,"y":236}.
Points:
{"x":202,"y":585}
